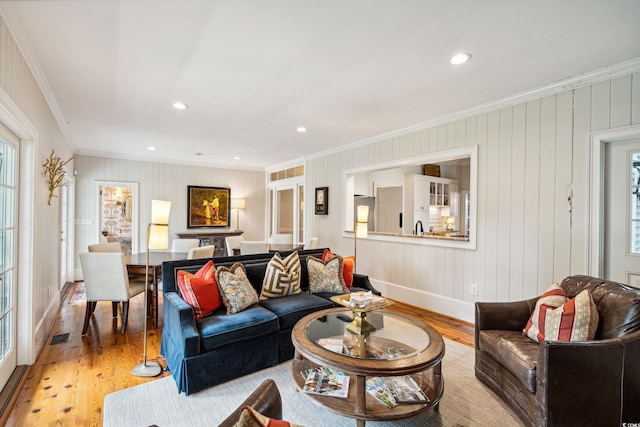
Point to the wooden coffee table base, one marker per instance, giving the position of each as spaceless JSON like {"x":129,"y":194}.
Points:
{"x":425,"y":368}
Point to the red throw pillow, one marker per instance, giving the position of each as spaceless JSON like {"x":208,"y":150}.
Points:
{"x":201,"y":293}
{"x":347,"y":266}
{"x":207,"y":272}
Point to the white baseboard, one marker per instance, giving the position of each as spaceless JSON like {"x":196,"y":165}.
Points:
{"x":44,"y":326}
{"x":440,"y":304}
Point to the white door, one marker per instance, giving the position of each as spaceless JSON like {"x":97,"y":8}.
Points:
{"x":622,"y":213}
{"x":8,"y":252}
{"x":64,"y":200}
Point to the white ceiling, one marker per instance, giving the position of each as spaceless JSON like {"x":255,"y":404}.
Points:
{"x":254,"y":70}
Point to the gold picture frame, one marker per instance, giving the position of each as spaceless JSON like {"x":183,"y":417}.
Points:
{"x":208,"y":206}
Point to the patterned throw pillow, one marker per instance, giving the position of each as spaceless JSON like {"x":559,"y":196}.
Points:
{"x":249,"y":417}
{"x":326,"y":276}
{"x":201,"y":294}
{"x":237,"y":293}
{"x":556,"y":318}
{"x":282,"y":277}
{"x":347,"y":266}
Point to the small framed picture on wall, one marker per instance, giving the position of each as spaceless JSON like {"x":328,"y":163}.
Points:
{"x":322,"y":200}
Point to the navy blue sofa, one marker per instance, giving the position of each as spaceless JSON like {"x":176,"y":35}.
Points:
{"x":220,"y":347}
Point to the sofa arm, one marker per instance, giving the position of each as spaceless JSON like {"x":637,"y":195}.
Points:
{"x":579,"y":383}
{"x":362,"y":281}
{"x":506,"y":316}
{"x":180,"y":325}
{"x":265,"y":399}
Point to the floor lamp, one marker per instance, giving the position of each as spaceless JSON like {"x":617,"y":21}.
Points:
{"x":361,"y":229}
{"x":157,"y":238}
{"x":238,"y":204}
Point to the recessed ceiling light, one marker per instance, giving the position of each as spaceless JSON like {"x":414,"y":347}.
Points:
{"x":460,"y":58}
{"x":180,"y":106}
{"x":301,"y":129}
{"x":236,"y":158}
{"x":151,"y":148}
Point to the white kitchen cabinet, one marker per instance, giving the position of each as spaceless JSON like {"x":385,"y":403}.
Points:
{"x":424,"y":198}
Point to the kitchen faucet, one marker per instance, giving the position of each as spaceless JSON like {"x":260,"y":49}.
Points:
{"x":421,"y":229}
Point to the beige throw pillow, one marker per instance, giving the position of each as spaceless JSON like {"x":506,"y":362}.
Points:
{"x":282,"y":277}
{"x":326,"y":276}
{"x":235,"y":289}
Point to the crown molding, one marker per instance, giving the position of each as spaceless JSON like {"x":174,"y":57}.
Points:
{"x":571,"y":83}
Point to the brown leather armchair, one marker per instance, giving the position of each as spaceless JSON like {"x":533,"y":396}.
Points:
{"x":588,"y":383}
{"x":265,"y":399}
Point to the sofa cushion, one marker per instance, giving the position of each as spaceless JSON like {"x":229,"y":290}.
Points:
{"x":574,"y":320}
{"x":235,"y":289}
{"x":551,"y":298}
{"x":326,"y":276}
{"x":348,"y":265}
{"x":219,"y":329}
{"x":201,"y":294}
{"x":282,"y":277}
{"x":292,"y":308}
{"x":516,"y":352}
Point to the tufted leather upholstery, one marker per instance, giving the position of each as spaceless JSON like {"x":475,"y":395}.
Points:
{"x":565,"y":383}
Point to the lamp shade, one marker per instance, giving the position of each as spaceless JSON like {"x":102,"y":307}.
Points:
{"x":159,"y":227}
{"x":160,"y":210}
{"x":238,"y":203}
{"x":363,"y":213}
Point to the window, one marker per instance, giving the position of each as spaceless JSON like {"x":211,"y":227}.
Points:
{"x":635,"y":204}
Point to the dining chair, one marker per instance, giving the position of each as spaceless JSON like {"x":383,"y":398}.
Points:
{"x":201,"y":252}
{"x":183,"y":245}
{"x":313,"y":243}
{"x":253,"y":247}
{"x":231,"y":243}
{"x":106,"y":279}
{"x":105,"y":247}
{"x":281,"y":239}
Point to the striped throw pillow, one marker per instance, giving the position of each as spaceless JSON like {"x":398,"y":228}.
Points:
{"x":282,"y":277}
{"x":557,"y":318}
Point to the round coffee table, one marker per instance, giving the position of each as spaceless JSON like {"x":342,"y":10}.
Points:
{"x":400,"y":345}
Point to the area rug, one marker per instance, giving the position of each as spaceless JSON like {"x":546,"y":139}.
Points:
{"x":466,"y":402}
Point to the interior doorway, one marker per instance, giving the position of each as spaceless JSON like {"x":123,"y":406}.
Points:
{"x":118,"y":214}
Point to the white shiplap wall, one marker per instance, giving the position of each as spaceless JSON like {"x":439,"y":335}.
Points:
{"x":531,"y":157}
{"x":165,"y":182}
{"x":28,"y":115}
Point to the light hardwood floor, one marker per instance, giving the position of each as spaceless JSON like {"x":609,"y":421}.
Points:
{"x":67,"y":384}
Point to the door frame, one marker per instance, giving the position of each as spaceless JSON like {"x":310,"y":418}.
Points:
{"x":598,"y":141}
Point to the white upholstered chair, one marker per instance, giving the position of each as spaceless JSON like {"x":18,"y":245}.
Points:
{"x":253,"y":247}
{"x":106,"y":247}
{"x":106,"y":279}
{"x":313,"y":243}
{"x":201,"y":252}
{"x":184,"y":245}
{"x":232,"y":242}
{"x":281,"y":239}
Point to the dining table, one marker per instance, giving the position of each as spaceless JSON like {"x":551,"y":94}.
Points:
{"x":136,"y":264}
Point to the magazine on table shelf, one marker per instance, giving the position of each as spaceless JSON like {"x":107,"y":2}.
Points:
{"x":379,"y":389}
{"x":326,"y":382}
{"x":388,"y":352}
{"x":405,"y":390}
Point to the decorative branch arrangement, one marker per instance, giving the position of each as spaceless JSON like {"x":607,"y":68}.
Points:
{"x":54,"y":173}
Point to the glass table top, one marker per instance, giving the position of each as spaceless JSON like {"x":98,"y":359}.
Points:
{"x":394,"y":337}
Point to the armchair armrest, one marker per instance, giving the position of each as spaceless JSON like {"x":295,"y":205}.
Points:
{"x":265,"y":399}
{"x":180,"y":324}
{"x":506,"y":316}
{"x":362,"y":281}
{"x":579,"y":383}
